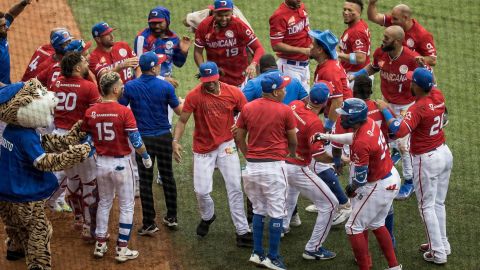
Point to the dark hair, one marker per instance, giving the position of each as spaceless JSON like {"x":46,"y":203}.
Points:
{"x":363,"y":87}
{"x":358,"y":2}
{"x":267,"y":62}
{"x":2,"y":15}
{"x":68,"y":63}
{"x":107,"y":81}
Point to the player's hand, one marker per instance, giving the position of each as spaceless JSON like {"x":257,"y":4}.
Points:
{"x":177,"y":151}
{"x":172,"y":81}
{"x":181,"y":100}
{"x":381,"y":104}
{"x":306,"y":51}
{"x":130,"y":62}
{"x":350,"y":191}
{"x":185,"y":44}
{"x":234,"y":129}
{"x":420,"y":61}
{"x":147,"y":162}
{"x":350,"y":77}
{"x":318,"y":137}
{"x":251,"y":71}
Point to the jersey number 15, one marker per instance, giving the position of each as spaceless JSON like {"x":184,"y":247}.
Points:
{"x":105,"y":131}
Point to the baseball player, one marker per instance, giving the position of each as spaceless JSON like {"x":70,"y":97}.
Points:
{"x":271,"y":129}
{"x":417,"y":38}
{"x":301,"y":180}
{"x":193,"y":19}
{"x":394,"y":60}
{"x":226,"y":38}
{"x":330,"y":70}
{"x":6,"y":19}
{"x":373,"y":186}
{"x":354,"y":44}
{"x":432,"y":159}
{"x":289,"y":38}
{"x":75,"y":94}
{"x":112,"y":125}
{"x":213,"y":105}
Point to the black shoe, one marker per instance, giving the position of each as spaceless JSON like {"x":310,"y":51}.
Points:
{"x":148,"y":230}
{"x":204,"y":226}
{"x":245,"y":240}
{"x":15,"y":255}
{"x":170,"y":222}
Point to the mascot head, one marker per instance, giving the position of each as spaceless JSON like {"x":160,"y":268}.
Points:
{"x":27,"y":104}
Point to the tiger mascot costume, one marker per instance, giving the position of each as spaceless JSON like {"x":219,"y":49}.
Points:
{"x":27,"y":161}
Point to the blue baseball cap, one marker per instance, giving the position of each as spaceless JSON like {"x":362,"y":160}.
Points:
{"x":208,"y":72}
{"x":159,"y":14}
{"x":101,"y":29}
{"x":327,"y":40}
{"x":320,"y":92}
{"x":150,"y":59}
{"x":60,"y":37}
{"x":78,"y":46}
{"x":219,"y":5}
{"x":422,"y":77}
{"x":273,"y":81}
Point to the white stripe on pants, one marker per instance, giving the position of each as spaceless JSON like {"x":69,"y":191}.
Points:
{"x":301,"y":180}
{"x":302,"y":73}
{"x":431,"y":177}
{"x":227,"y":161}
{"x":115,"y":175}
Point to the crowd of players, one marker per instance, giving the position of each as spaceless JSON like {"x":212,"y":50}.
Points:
{"x":290,"y":150}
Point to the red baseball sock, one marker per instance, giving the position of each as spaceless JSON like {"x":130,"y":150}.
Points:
{"x":370,"y":264}
{"x":360,"y":250}
{"x":385,"y":242}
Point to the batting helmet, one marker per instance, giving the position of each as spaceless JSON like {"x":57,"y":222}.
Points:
{"x":59,"y":38}
{"x":353,"y":111}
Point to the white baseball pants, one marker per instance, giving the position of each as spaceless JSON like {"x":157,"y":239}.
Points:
{"x":301,"y":180}
{"x":431,"y":177}
{"x":404,"y":143}
{"x":225,"y":157}
{"x":302,"y":73}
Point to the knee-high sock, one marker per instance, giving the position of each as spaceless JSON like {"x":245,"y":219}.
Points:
{"x":389,"y":224}
{"x":275,"y":230}
{"x":385,"y":242}
{"x":257,"y":225}
{"x":360,"y":250}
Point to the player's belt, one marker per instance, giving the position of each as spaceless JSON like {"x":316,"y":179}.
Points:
{"x":297,"y":63}
{"x":118,"y":156}
{"x":430,"y":150}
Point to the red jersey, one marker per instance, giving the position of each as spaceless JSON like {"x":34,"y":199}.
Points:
{"x":417,"y":38}
{"x":308,"y":124}
{"x":267,"y":122}
{"x":50,"y":73}
{"x":100,"y":59}
{"x":356,"y":38}
{"x":74,"y":95}
{"x":331,"y":71}
{"x":393,"y":73}
{"x":39,"y":56}
{"x":213,"y":115}
{"x":370,"y":149}
{"x":227,"y":47}
{"x":109,"y":124}
{"x":424,"y":121}
{"x":291,"y":27}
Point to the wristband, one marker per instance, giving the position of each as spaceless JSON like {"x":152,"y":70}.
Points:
{"x":145,"y":155}
{"x":360,"y":72}
{"x":353,"y":58}
{"x":174,"y":140}
{"x":328,"y":124}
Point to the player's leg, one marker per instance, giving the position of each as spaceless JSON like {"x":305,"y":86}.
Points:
{"x":53,"y":201}
{"x":229,"y":165}
{"x":106,"y":167}
{"x":292,"y":195}
{"x":345,"y":208}
{"x":165,"y":169}
{"x":74,"y":199}
{"x":146,"y":193}
{"x":203,"y":166}
{"x":442,"y":188}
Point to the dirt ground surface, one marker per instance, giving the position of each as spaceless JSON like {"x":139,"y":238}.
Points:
{"x":30,"y":30}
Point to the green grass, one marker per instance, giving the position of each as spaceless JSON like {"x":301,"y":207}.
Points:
{"x":454,"y":25}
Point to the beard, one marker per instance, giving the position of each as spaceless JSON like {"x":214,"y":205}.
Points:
{"x":388,"y":47}
{"x":85,"y":74}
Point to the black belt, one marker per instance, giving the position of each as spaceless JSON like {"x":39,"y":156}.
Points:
{"x":118,"y":156}
{"x":258,"y":160}
{"x":297,"y":63}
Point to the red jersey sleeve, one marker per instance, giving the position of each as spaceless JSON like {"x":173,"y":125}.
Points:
{"x":93,"y":63}
{"x":189,"y":105}
{"x":130,"y":123}
{"x":200,"y":34}
{"x":387,"y":20}
{"x":93,"y":96}
{"x":316,"y":148}
{"x":360,"y":42}
{"x":376,"y":56}
{"x":241,"y":119}
{"x":290,"y":122}
{"x":241,"y":100}
{"x":427,"y":46}
{"x":412,"y":118}
{"x":278,"y":27}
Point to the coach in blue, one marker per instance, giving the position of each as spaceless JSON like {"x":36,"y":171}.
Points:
{"x":6,"y":19}
{"x":159,"y":38}
{"x":149,"y":98}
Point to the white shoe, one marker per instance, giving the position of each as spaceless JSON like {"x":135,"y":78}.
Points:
{"x":295,"y":221}
{"x":398,"y":267}
{"x":87,"y":235}
{"x":342,"y":214}
{"x":100,"y":249}
{"x":124,"y":254}
{"x":159,"y":180}
{"x":55,"y":207}
{"x":311,"y":208}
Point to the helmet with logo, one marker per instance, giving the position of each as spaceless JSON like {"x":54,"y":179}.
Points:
{"x":353,"y":111}
{"x":59,"y":39}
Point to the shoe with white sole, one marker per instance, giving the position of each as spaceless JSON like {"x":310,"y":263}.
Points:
{"x":124,"y":254}
{"x":425,"y":247}
{"x":311,"y":208}
{"x":100,"y":249}
{"x":295,"y":221}
{"x":321,"y":254}
{"x":257,"y":259}
{"x":429,"y":257}
{"x":274,"y":263}
{"x":398,"y":267}
{"x":342,"y":214}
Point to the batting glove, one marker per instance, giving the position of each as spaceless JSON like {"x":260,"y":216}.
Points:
{"x":147,"y":161}
{"x":350,"y":191}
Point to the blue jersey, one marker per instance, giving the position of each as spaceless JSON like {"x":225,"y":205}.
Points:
{"x":149,"y":98}
{"x":170,"y":46}
{"x":253,"y":89}
{"x":21,"y":181}
{"x":5,"y":55}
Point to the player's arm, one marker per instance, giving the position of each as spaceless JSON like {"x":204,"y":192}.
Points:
{"x":198,"y":55}
{"x":259,"y":51}
{"x":241,"y":140}
{"x":173,"y":101}
{"x":292,"y":142}
{"x":398,"y":128}
{"x":140,"y":149}
{"x":354,"y":58}
{"x":18,"y":8}
{"x":332,"y":114}
{"x":373,"y":14}
{"x":368,"y":70}
{"x":177,"y":135}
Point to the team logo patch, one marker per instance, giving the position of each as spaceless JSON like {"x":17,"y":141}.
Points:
{"x":291,"y":21}
{"x":94,"y":115}
{"x":410,"y":43}
{"x":169,"y":45}
{"x":345,"y":38}
{"x":229,"y":34}
{"x":403,"y":69}
{"x":57,"y":84}
{"x":122,"y":52}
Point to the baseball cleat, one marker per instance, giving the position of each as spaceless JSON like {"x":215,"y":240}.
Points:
{"x":100,"y":249}
{"x":396,"y":156}
{"x":149,"y":230}
{"x":342,"y":214}
{"x":285,"y":231}
{"x":257,"y":259}
{"x":429,"y":257}
{"x":295,"y":221}
{"x":204,"y":226}
{"x":124,"y":254}
{"x":321,"y":254}
{"x":405,"y":191}
{"x":65,"y":207}
{"x":170,"y":222}
{"x":311,"y":208}
{"x":87,"y":234}
{"x":55,"y":207}
{"x":245,"y":240}
{"x":274,"y":263}
{"x":398,"y":267}
{"x":426,"y":247}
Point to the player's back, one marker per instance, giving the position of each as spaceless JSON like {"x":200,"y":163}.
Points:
{"x":40,"y":55}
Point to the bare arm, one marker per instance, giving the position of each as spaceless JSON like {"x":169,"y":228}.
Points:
{"x":292,"y":142}
{"x":18,"y":8}
{"x":336,"y":103}
{"x":177,"y":135}
{"x":240,"y":139}
{"x":285,"y":48}
{"x":373,"y":14}
{"x":430,"y":60}
{"x":345,"y":57}
{"x":198,"y":55}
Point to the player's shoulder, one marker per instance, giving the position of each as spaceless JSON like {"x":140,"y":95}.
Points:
{"x":205,"y":23}
{"x":409,"y":53}
{"x":121,"y":44}
{"x":419,"y":29}
{"x":279,"y":12}
{"x":379,"y":53}
{"x":145,"y":32}
{"x":296,"y":105}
